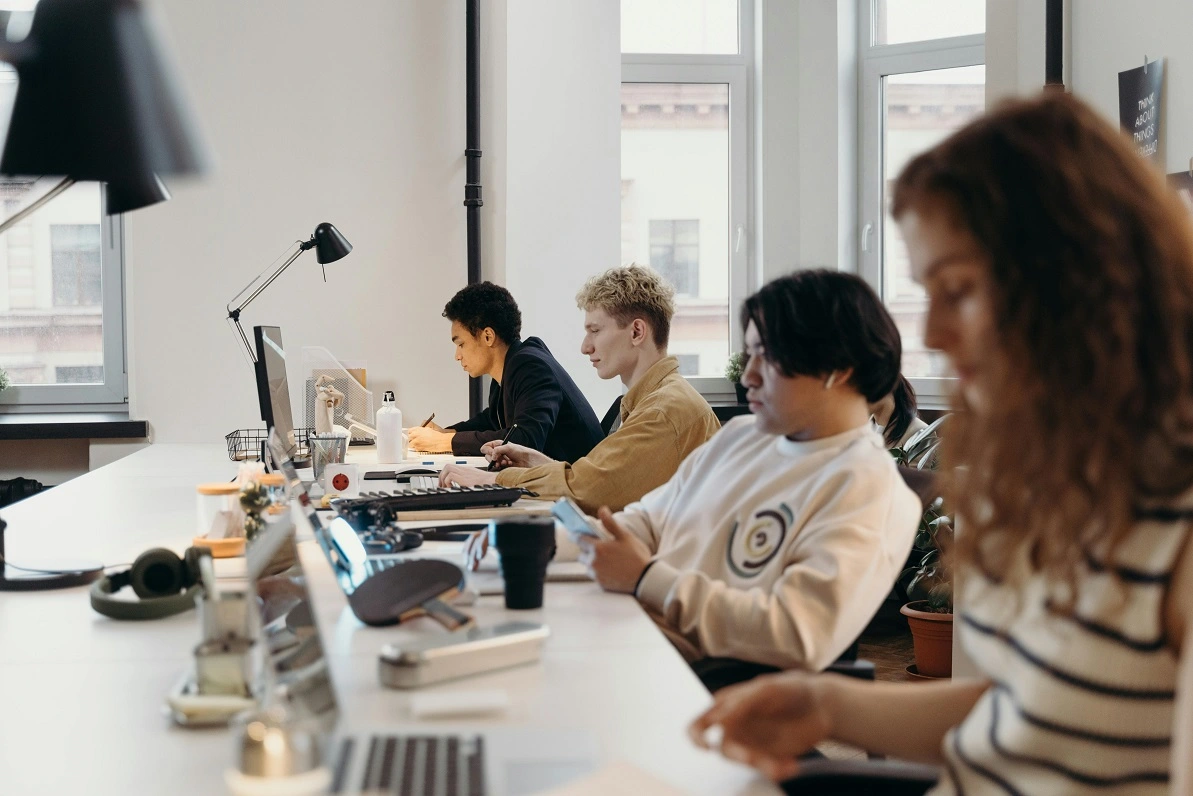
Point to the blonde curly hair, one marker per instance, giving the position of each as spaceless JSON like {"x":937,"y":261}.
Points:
{"x":630,"y":292}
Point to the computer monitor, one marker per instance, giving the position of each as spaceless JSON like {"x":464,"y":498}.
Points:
{"x":273,"y":390}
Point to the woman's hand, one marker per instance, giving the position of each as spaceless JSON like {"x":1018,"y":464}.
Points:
{"x":768,"y":722}
{"x":510,"y":454}
{"x":475,"y":549}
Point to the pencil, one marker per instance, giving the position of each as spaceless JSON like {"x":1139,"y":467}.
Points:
{"x":493,"y":464}
{"x":427,"y":422}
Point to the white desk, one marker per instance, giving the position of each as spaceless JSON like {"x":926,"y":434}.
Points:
{"x":82,"y":695}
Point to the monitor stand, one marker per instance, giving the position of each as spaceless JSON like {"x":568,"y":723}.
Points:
{"x":53,"y":575}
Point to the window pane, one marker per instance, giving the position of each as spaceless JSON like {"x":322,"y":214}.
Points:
{"x":920,"y":110}
{"x":675,"y":207}
{"x":898,"y":21}
{"x":51,"y":290}
{"x":694,"y":27}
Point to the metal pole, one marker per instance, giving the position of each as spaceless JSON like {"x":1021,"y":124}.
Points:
{"x":472,"y":155}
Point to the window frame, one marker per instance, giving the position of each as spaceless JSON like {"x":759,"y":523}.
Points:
{"x":737,"y":71}
{"x":876,"y":62}
{"x":112,"y":394}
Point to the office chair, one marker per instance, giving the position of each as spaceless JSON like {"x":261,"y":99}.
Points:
{"x":611,"y":415}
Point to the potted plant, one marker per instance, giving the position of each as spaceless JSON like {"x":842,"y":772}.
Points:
{"x":929,"y":608}
{"x":928,"y":589}
{"x":3,"y":380}
{"x":733,"y":371}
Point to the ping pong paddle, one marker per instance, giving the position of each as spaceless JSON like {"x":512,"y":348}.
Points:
{"x":409,"y":589}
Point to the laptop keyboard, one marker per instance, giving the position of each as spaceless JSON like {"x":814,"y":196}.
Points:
{"x":414,"y":765}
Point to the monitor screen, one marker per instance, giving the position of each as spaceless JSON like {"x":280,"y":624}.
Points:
{"x":273,"y":391}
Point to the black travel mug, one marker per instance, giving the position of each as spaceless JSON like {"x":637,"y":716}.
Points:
{"x":525,"y":544}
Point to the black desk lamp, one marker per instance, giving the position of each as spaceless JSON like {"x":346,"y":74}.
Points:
{"x":95,"y":101}
{"x":329,"y":245}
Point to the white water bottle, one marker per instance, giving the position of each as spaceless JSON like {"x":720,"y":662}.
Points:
{"x":390,"y":449}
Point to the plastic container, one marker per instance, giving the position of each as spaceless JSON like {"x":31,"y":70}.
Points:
{"x":220,"y":524}
{"x":390,"y":448}
{"x":219,"y":511}
{"x":279,"y":496}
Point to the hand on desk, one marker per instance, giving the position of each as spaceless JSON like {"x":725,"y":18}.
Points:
{"x":475,"y":549}
{"x":511,"y":454}
{"x":425,"y":438}
{"x":465,"y":475}
{"x":767,"y":722}
{"x":616,"y":564}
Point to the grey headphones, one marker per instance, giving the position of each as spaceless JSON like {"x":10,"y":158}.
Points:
{"x":165,"y":584}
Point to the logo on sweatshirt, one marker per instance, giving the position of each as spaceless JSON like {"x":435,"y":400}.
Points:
{"x":753,"y":545}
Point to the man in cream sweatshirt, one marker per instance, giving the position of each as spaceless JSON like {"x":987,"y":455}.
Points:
{"x":662,"y":419}
{"x":777,"y":540}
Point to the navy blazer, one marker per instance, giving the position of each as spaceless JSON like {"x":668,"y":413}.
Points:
{"x":535,"y":392}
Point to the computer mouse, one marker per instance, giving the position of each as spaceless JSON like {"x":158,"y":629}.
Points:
{"x":419,"y":471}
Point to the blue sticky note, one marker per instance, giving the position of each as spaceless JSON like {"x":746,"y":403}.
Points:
{"x":429,"y":463}
{"x":461,"y":461}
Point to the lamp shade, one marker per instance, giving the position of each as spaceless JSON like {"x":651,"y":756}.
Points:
{"x":330,"y":245}
{"x":126,"y":196}
{"x":96,"y":99}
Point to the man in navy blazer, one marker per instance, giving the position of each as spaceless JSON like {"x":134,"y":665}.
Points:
{"x":530,"y":389}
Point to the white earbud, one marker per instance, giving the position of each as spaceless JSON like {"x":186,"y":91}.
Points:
{"x":830,"y":381}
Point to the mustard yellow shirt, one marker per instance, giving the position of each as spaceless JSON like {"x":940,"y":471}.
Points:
{"x":663,"y":419}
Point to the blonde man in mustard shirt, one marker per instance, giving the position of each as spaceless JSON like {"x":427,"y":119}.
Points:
{"x":627,"y":321}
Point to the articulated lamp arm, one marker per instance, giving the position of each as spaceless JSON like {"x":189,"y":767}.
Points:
{"x":234,"y":314}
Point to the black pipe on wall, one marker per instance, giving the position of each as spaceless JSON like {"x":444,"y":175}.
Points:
{"x":1054,"y":44}
{"x":472,"y":155}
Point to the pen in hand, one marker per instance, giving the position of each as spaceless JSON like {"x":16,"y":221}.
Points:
{"x":493,"y":464}
{"x":427,"y":422}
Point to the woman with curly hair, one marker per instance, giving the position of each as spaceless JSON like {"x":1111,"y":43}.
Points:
{"x":1059,"y":271}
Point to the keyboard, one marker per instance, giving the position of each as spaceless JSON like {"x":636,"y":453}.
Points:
{"x":378,"y":509}
{"x":414,"y":765}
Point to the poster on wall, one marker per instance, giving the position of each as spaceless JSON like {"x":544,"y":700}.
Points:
{"x":1139,"y":104}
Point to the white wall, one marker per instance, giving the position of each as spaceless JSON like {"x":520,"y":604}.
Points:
{"x":1111,"y":37}
{"x":352,"y":114}
{"x":562,"y":217}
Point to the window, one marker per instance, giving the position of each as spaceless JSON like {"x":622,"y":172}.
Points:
{"x":689,"y":364}
{"x":923,"y":76}
{"x":675,"y":254}
{"x":685,"y":159}
{"x":74,"y":263}
{"x":61,"y":293}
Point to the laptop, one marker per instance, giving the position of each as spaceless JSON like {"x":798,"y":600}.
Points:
{"x":412,"y":759}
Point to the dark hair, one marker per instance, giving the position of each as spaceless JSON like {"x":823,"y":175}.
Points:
{"x":815,"y":322}
{"x":1090,"y":266}
{"x":903,"y":413}
{"x":486,"y":305}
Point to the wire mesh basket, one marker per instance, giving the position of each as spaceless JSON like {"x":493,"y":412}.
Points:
{"x":244,"y":444}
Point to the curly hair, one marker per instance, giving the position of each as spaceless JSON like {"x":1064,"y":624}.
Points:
{"x":1091,"y":264}
{"x":818,"y":321}
{"x":486,"y":305}
{"x":631,"y":292}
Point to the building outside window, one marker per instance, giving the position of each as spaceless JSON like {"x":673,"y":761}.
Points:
{"x":61,"y":293}
{"x":923,"y":76}
{"x":675,"y":253}
{"x":685,"y":110}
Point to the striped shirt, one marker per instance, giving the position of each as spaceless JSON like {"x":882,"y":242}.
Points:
{"x":1081,"y":701}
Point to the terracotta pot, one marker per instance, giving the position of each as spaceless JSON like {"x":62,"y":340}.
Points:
{"x":932,"y":636}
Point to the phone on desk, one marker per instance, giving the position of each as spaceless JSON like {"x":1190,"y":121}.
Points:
{"x":577,"y":523}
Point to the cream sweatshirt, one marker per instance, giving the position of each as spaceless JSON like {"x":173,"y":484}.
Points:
{"x":774,"y":551}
